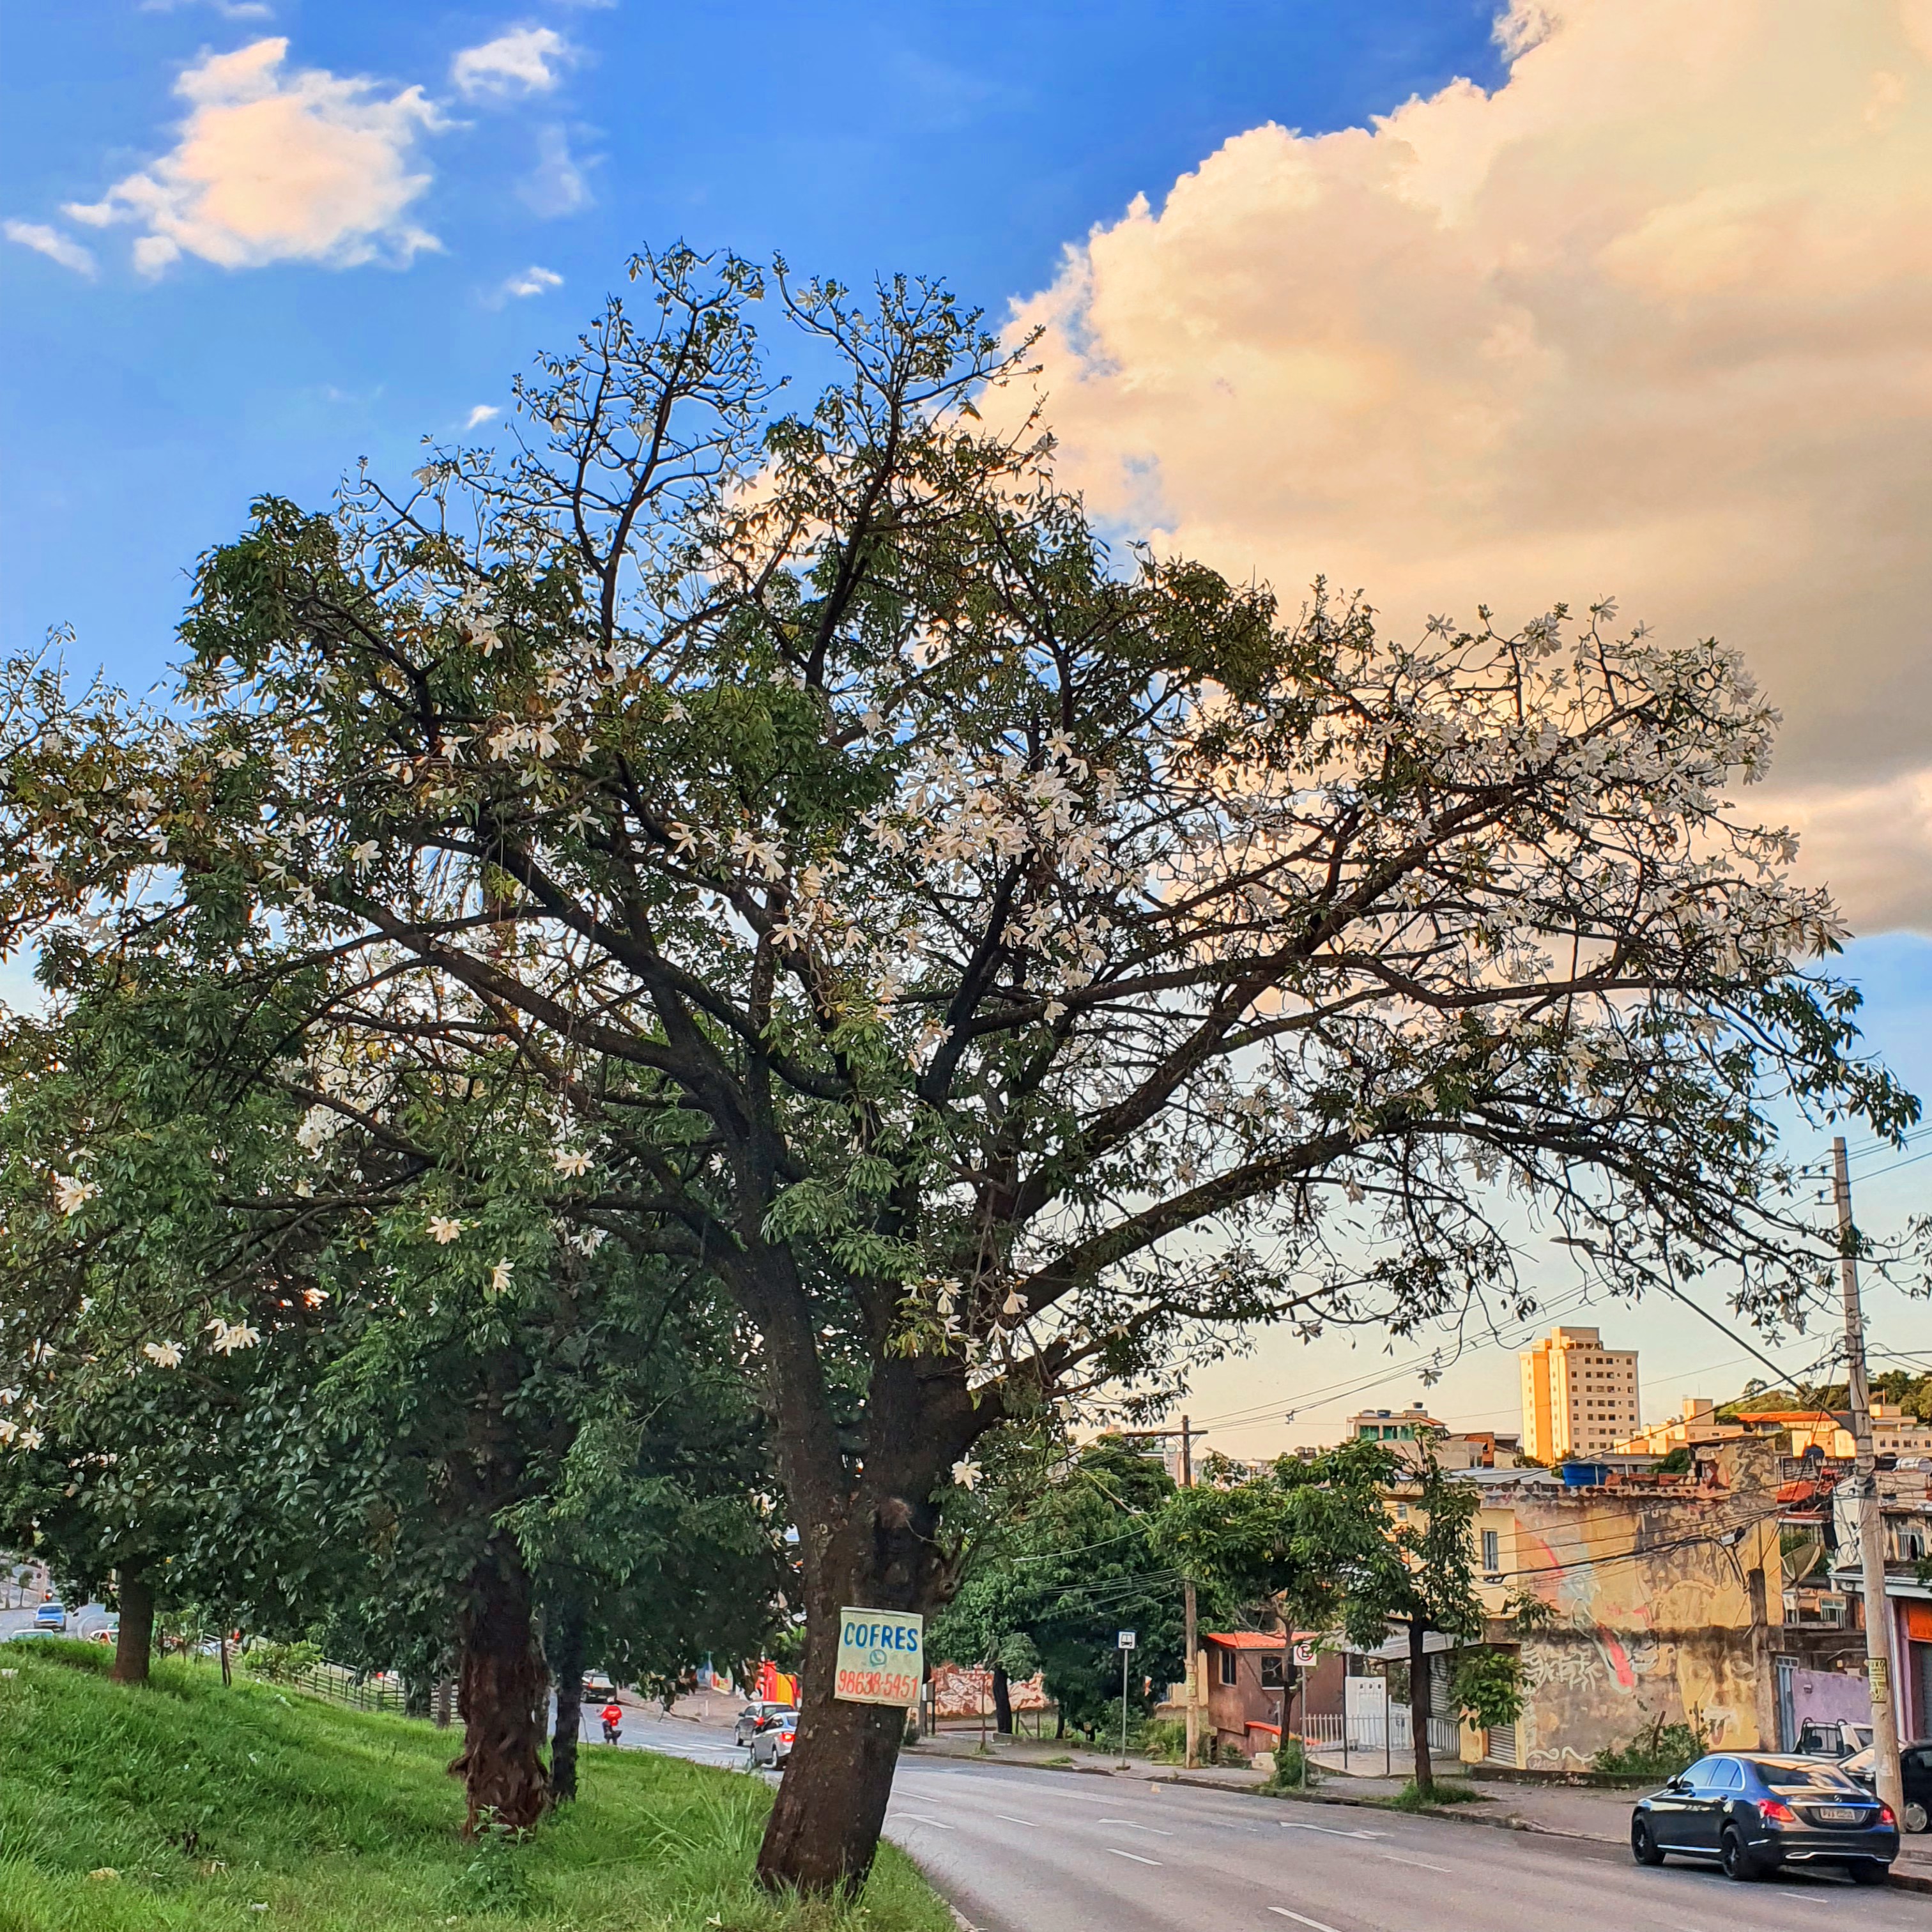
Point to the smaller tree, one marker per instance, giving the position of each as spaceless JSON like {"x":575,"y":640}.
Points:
{"x":1059,"y":1557}
{"x":1423,"y":1578}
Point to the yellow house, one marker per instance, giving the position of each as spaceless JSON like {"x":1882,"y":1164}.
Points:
{"x":1657,"y":1599}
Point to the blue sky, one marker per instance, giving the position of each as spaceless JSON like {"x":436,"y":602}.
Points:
{"x":979,"y":142}
{"x":971,"y":141}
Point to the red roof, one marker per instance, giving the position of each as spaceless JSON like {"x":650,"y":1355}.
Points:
{"x":1249,"y":1639}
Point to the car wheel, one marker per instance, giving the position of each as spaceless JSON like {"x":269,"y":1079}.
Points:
{"x":1867,"y":1871}
{"x":1915,"y":1819}
{"x":1734,"y":1855}
{"x":1643,"y":1844}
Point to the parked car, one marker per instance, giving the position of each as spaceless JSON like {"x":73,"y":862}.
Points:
{"x":771,"y":1742}
{"x":598,"y":1686}
{"x":753,"y":1715}
{"x":1833,"y":1737}
{"x":50,"y":1617}
{"x":1915,"y":1765}
{"x":1752,"y":1811}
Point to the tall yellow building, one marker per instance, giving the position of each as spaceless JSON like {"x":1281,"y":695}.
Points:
{"x":1579,"y":1397}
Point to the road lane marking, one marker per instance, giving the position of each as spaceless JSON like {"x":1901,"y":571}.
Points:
{"x":1133,"y":1825}
{"x":1299,"y":1920}
{"x":1028,"y":1822}
{"x":938,"y":1823}
{"x":1330,"y":1831}
{"x":1423,"y":1864}
{"x":1134,"y":1855}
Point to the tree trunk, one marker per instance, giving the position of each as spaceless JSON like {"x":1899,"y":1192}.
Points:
{"x":1418,"y":1705}
{"x":445,"y":1689}
{"x":502,"y":1690}
{"x":824,"y":1826}
{"x":564,"y":1644}
{"x":135,"y":1644}
{"x":1003,"y":1701}
{"x":418,"y":1691}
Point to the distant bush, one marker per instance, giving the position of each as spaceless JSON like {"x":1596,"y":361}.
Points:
{"x":1293,"y":1769}
{"x":279,"y":1662}
{"x":1165,"y":1740}
{"x":1662,"y":1751}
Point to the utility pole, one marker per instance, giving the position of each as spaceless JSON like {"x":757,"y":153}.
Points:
{"x":1871,"y":1519}
{"x":1190,"y":1641}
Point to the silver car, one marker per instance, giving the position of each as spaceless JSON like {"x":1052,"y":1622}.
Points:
{"x":753,"y":1716}
{"x":771,"y":1743}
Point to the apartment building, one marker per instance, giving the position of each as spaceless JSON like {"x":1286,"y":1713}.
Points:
{"x":1579,"y":1397}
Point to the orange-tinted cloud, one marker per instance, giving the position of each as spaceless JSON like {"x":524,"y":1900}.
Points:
{"x":1653,"y":319}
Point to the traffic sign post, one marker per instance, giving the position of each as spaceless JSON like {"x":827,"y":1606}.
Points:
{"x":1126,"y":1640}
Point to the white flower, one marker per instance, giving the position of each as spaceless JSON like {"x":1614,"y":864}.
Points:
{"x":1012,"y":1305}
{"x":163,"y":1355}
{"x":363,"y":854}
{"x":314,"y":1297}
{"x":568,"y":1161}
{"x":966,"y":1474}
{"x":71,"y":1196}
{"x":229,"y":1336}
{"x":500,"y":1276}
{"x":230,"y":757}
{"x":445,"y":1229}
{"x":318,"y":1124}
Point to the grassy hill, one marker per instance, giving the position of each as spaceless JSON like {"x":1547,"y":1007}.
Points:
{"x":187,"y":1807}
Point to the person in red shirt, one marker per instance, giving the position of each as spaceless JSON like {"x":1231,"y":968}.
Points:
{"x":612,"y":1715}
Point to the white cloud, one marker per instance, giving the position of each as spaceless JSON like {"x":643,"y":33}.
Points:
{"x":53,"y":243}
{"x":1653,"y":318}
{"x":557,"y":185}
{"x":482,"y":413}
{"x":229,"y":9}
{"x":532,"y":281}
{"x":272,"y":166}
{"x":527,"y":60}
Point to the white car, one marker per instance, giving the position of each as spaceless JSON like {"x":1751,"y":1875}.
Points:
{"x":771,"y":1742}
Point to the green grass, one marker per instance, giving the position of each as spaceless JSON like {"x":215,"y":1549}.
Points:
{"x":1447,"y":1791}
{"x":230,"y":1810}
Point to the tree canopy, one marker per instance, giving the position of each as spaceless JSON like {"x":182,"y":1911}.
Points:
{"x":1004,"y":965}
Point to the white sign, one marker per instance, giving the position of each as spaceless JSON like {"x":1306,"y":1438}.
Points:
{"x":1305,"y":1656}
{"x":881,"y":1657}
{"x":1127,"y":1640}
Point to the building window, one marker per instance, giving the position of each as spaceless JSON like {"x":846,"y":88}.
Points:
{"x":1230,"y":1667}
{"x":1493,"y":1555}
{"x":1271,"y":1671}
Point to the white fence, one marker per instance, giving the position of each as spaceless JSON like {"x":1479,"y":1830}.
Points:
{"x":1366,"y":1728}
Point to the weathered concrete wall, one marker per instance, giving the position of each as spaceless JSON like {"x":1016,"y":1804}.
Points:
{"x":1590,"y":1689}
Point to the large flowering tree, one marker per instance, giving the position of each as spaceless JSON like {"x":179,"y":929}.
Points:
{"x":1002,"y":965}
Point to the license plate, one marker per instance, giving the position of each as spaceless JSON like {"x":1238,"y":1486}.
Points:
{"x":1840,"y":1814}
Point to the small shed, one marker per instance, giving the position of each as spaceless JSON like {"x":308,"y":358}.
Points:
{"x":1246,"y":1673}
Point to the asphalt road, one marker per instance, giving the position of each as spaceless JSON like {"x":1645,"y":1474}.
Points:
{"x":1031,"y":1851}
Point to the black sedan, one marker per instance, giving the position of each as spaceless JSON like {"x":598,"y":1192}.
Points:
{"x":1752,"y":1811}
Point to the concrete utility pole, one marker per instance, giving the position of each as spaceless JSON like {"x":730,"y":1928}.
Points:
{"x":1190,"y":1642}
{"x":1871,"y":1519}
